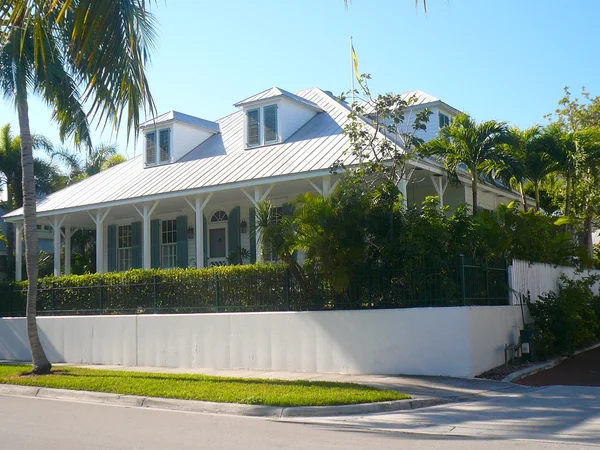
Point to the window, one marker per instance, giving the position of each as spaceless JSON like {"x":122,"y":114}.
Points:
{"x":46,"y":228}
{"x":262,"y":126}
{"x":219,"y":216}
{"x":270,"y":119}
{"x":169,"y":244}
{"x":444,"y":120}
{"x":165,"y":145}
{"x":254,"y":127}
{"x":150,"y":148}
{"x":124,"y":256}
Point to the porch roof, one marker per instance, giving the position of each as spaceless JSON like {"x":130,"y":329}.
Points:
{"x":220,"y":162}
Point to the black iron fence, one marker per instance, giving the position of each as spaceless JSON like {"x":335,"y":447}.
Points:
{"x":460,"y":284}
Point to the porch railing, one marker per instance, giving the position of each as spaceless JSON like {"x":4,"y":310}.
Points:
{"x":460,"y":284}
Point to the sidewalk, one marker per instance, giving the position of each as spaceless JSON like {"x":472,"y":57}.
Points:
{"x":447,"y":388}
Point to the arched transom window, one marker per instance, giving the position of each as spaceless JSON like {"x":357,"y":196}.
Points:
{"x":219,"y":216}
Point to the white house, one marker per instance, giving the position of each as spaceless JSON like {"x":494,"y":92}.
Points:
{"x":189,"y":199}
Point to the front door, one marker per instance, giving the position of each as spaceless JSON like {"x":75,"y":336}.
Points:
{"x":217,"y":246}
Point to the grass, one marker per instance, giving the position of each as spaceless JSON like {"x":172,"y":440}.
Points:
{"x":201,"y":387}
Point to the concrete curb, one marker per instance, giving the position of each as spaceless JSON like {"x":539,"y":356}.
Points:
{"x":134,"y":401}
{"x":544,"y":366}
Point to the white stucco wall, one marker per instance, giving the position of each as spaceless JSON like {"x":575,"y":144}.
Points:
{"x":425,"y":341}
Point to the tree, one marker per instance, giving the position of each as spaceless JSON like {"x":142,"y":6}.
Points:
{"x":51,"y":49}
{"x":97,"y":159}
{"x":528,"y":158}
{"x":47,"y":177}
{"x":470,"y":146}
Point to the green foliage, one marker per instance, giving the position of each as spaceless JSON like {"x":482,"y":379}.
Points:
{"x":566,"y":321}
{"x":139,"y":291}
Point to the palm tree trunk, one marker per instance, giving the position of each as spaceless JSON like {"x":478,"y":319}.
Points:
{"x":474,"y":187}
{"x":568,"y":194}
{"x":41,"y":365}
{"x":523,"y":197}
{"x":536,"y":186}
{"x":588,"y":244}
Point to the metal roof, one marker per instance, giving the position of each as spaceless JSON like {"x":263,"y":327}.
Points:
{"x":183,"y":118}
{"x":220,"y":160}
{"x":416,"y":98}
{"x":276,"y":92}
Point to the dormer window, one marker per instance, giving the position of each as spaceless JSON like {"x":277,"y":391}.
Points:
{"x":158,"y":142}
{"x":444,"y":120}
{"x":262,"y":126}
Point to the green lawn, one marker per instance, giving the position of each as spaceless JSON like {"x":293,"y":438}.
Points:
{"x":201,"y":387}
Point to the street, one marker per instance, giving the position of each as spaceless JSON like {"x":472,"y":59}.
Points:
{"x":33,"y":423}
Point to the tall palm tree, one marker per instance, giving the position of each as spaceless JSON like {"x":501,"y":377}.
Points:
{"x":464,"y":144}
{"x":51,"y":48}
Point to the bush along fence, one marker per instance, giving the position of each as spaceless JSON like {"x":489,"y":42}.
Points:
{"x":263,"y":287}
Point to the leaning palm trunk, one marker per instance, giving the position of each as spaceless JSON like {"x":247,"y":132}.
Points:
{"x":523,"y":197}
{"x":41,"y":364}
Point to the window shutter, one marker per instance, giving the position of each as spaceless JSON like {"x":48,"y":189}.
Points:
{"x":253,"y":127}
{"x":440,"y":120}
{"x":233,"y":230}
{"x":136,"y":245}
{"x":252,"y":220}
{"x":270,"y":113}
{"x":112,"y":248}
{"x":155,"y":243}
{"x":165,"y":145}
{"x":150,"y":148}
{"x":182,"y":242}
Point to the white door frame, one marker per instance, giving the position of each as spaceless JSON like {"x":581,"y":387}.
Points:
{"x":212,"y":226}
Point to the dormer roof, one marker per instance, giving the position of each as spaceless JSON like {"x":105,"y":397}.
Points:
{"x":420,"y":99}
{"x":176,"y":116}
{"x":274,"y":93}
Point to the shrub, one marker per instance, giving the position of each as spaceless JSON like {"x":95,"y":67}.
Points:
{"x":566,"y":321}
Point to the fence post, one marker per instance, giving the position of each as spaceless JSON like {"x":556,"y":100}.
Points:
{"x":217,"y":293}
{"x":154,"y":293}
{"x":10,"y":300}
{"x":487,"y":284}
{"x":463,"y":287}
{"x":287,"y":289}
{"x":101,"y":296}
{"x":53,"y":301}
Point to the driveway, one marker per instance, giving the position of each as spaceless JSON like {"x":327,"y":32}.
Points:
{"x":580,"y":370}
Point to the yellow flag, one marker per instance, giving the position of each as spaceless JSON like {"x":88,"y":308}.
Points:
{"x":355,"y":65}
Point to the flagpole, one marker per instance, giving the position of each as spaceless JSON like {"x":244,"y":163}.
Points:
{"x":352,"y":68}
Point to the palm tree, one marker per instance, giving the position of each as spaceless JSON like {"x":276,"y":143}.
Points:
{"x":527,"y":159}
{"x":47,"y":177}
{"x":51,"y":49}
{"x":97,"y":159}
{"x":473,"y":147}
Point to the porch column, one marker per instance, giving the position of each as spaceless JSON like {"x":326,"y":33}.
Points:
{"x":440,"y":187}
{"x":146,"y":213}
{"x":99,"y":221}
{"x":198,"y":208}
{"x":56,"y":223}
{"x":67,"y":234}
{"x":18,"y":252}
{"x":258,"y":197}
{"x":326,"y":185}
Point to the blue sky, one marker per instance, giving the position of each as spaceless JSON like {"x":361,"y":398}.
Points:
{"x":507,"y":60}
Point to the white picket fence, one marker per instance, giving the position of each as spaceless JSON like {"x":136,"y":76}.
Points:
{"x":539,"y":279}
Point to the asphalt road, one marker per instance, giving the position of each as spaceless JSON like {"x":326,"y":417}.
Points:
{"x":33,"y":423}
